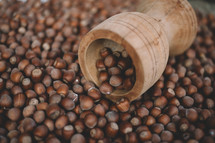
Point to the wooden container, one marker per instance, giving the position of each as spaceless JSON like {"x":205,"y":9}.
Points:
{"x":161,"y":27}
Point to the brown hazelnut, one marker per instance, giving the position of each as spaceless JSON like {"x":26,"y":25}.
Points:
{"x":16,"y":90}
{"x":106,"y":88}
{"x":115,"y":71}
{"x":56,"y":74}
{"x":77,"y":88}
{"x":61,"y":121}
{"x":28,"y":110}
{"x":72,"y":117}
{"x":156,"y":138}
{"x":131,"y":137}
{"x":191,"y":89}
{"x":16,"y":76}
{"x":166,"y":136}
{"x":25,"y":138}
{"x":68,"y":103}
{"x":174,"y":101}
{"x":90,"y":120}
{"x":13,"y":134}
{"x":68,"y":131}
{"x":55,"y":99}
{"x":171,"y":110}
{"x":112,"y":116}
{"x":14,"y":114}
{"x":170,"y":84}
{"x":110,"y":61}
{"x":28,"y":69}
{"x":50,"y":124}
{"x":5,"y":101}
{"x":3,"y":66}
{"x":10,"y":125}
{"x":86,"y":102}
{"x":111,"y":129}
{"x":142,"y":112}
{"x":191,"y":114}
{"x":150,"y":120}
{"x":125,"y":116}
{"x":78,"y":138}
{"x":30,"y":94}
{"x":101,"y":122}
{"x":39,"y":116}
{"x":125,"y":127}
{"x":22,"y":64}
{"x":136,"y":121}
{"x":53,"y":140}
{"x":100,"y":65}
{"x":94,"y":93}
{"x":19,"y":100}
{"x":39,"y":88}
{"x":60,"y":63}
{"x":171,"y":127}
{"x":97,"y":133}
{"x":115,"y":80}
{"x":156,"y":111}
{"x":104,"y":52}
{"x":145,"y":135}
{"x":26,"y":83}
{"x":40,"y":132}
{"x":160,"y":102}
{"x":99,"y":110}
{"x":28,"y":124}
{"x":164,"y":119}
{"x":123,"y":105}
{"x":103,"y":76}
{"x":69,"y":75}
{"x":183,"y":124}
{"x":79,"y":126}
{"x":53,"y":111}
{"x":157,"y":128}
{"x":198,"y":134}
{"x":187,"y":101}
{"x":42,"y":106}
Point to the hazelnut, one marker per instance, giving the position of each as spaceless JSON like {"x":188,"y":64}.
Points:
{"x":19,"y":100}
{"x":111,"y":129}
{"x":78,"y":138}
{"x":125,"y":127}
{"x":68,"y":131}
{"x":39,"y":116}
{"x":90,"y":120}
{"x":14,"y":114}
{"x":97,"y":133}
{"x":61,"y":122}
{"x":40,"y":132}
{"x":86,"y":102}
{"x":68,"y":103}
{"x":53,"y":111}
{"x":123,"y":105}
{"x":166,"y":136}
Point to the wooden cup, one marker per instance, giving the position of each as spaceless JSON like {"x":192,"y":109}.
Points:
{"x":159,"y":28}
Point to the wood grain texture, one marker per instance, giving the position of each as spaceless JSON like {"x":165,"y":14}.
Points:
{"x":177,"y":18}
{"x":142,"y":37}
{"x":161,"y":27}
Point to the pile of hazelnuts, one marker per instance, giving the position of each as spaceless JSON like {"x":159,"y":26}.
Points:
{"x":115,"y":71}
{"x":45,"y":98}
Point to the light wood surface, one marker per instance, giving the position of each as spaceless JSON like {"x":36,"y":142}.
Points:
{"x":145,"y":37}
{"x":177,"y":18}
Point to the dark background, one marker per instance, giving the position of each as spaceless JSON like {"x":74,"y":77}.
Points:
{"x":204,"y":6}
